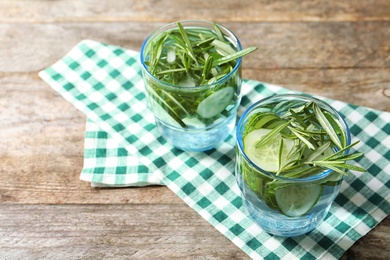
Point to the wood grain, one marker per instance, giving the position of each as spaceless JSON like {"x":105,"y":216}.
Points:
{"x":352,"y":64}
{"x":368,"y":87}
{"x":281,"y":45}
{"x":337,"y":49}
{"x":39,"y":11}
{"x":131,"y":231}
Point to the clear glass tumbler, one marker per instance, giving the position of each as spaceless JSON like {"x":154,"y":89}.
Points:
{"x":189,"y":115}
{"x":292,"y":203}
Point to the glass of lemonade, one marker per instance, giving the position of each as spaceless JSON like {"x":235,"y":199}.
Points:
{"x":291,"y":158}
{"x":192,"y":76}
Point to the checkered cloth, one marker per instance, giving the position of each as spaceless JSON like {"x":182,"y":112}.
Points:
{"x":124,"y":148}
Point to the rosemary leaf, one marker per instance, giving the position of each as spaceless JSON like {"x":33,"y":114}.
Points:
{"x":352,"y":167}
{"x":234,"y":56}
{"x":303,"y":139}
{"x":332,"y":167}
{"x":341,"y":151}
{"x":170,"y":111}
{"x":326,"y":126}
{"x":280,"y":152}
{"x":157,"y":51}
{"x":318,"y":152}
{"x":170,"y":71}
{"x":184,"y":35}
{"x":218,"y":31}
{"x":339,"y":164}
{"x":206,"y":69}
{"x":323,"y":162}
{"x":337,"y":127}
{"x":348,"y":157}
{"x":300,"y":171}
{"x":271,"y":135}
{"x":178,"y":41}
{"x":205,"y":41}
{"x":310,"y":133}
{"x":170,"y":97}
{"x":223,"y":48}
{"x":298,"y":118}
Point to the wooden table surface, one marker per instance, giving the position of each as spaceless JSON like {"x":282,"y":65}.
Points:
{"x":338,"y":49}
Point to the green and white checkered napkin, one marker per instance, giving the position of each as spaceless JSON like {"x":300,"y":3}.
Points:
{"x":124,"y":148}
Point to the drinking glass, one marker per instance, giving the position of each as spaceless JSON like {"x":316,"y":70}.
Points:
{"x":284,"y":206}
{"x":192,"y":117}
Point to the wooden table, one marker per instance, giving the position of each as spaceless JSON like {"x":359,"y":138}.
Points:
{"x":337,"y":49}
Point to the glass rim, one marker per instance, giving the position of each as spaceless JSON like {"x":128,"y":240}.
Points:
{"x":187,"y":23}
{"x":272,"y":175}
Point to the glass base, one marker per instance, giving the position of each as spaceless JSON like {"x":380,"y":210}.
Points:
{"x":197,"y":140}
{"x":280,"y":225}
{"x":276,"y":223}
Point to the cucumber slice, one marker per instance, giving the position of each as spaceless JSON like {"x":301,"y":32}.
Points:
{"x":215,"y":103}
{"x":267,"y":157}
{"x":296,"y":200}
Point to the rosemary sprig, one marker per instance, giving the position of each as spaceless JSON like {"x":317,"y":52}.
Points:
{"x":302,"y":138}
{"x":206,"y":69}
{"x":326,"y":125}
{"x":271,"y":135}
{"x":222,"y":47}
{"x":319,"y":140}
{"x":187,"y":57}
{"x":280,"y":153}
{"x":318,"y":152}
{"x":218,"y":32}
{"x":187,"y":42}
{"x":234,"y":56}
{"x":198,"y":52}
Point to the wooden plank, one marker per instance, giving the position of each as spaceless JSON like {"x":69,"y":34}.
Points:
{"x":110,"y":231}
{"x":281,"y":45}
{"x":230,"y":10}
{"x":364,"y":87}
{"x":131,"y":231}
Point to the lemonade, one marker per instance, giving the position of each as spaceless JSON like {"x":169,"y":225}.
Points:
{"x":291,"y":159}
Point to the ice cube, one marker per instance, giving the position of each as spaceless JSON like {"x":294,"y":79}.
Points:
{"x":171,"y":56}
{"x":189,"y":82}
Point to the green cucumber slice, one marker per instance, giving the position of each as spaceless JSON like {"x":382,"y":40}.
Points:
{"x":296,"y":200}
{"x":215,"y":103}
{"x":267,"y":156}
